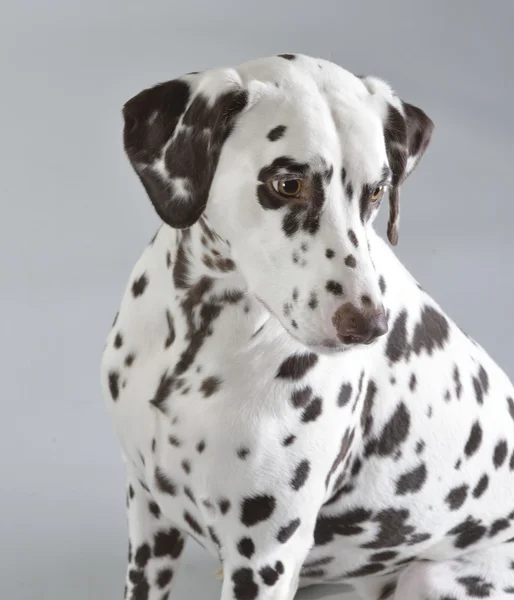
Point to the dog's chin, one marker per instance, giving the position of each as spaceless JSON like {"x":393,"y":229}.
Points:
{"x":328,"y":347}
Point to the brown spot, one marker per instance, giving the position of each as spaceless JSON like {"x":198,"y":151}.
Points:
{"x":288,"y":440}
{"x":301,"y":397}
{"x":334,"y":287}
{"x":510,"y":403}
{"x":286,"y":532}
{"x":412,"y":382}
{"x":189,"y":494}
{"x":164,"y":389}
{"x":313,"y":301}
{"x":350,"y":261}
{"x":474,"y":440}
{"x":479,"y":394}
{"x":207,"y":261}
{"x":412,"y":481}
{"x":366,"y":300}
{"x":345,"y":393}
{"x":397,"y":346}
{"x":468,"y":532}
{"x":457,"y":496}
{"x":475,"y":586}
{"x":345,"y":524}
{"x":168,"y":543}
{"x":346,"y":443}
{"x":256,"y":509}
{"x":193,"y":523}
{"x":457,"y":381}
{"x":164,"y":577}
{"x":368,"y":569}
{"x":481,"y":486}
{"x":313,"y":411}
{"x":499,"y":525}
{"x":300,"y":475}
{"x":114,"y":378}
{"x":245,"y":587}
{"x":394,"y":433}
{"x":382,"y":284}
{"x":388,"y":590}
{"x":139,"y":285}
{"x":171,"y":330}
{"x":174,"y":441}
{"x":242,"y":453}
{"x":276,"y":133}
{"x":296,"y":366}
{"x":353,"y":238}
{"x":246,"y":547}
{"x":164,"y":483}
{"x":210,"y":386}
{"x":500,"y":454}
{"x":431,"y":333}
{"x":367,"y":408}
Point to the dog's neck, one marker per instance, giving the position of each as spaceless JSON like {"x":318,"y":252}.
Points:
{"x":202,"y":254}
{"x":204,"y":271}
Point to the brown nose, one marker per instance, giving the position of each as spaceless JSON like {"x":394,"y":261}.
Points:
{"x":359,"y":326}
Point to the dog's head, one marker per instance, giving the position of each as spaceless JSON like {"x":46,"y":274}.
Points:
{"x":288,"y":157}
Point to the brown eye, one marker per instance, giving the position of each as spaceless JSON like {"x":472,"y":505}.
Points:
{"x":290,"y":188}
{"x":378,"y":192}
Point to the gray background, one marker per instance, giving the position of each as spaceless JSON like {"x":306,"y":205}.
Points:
{"x":75,"y":218}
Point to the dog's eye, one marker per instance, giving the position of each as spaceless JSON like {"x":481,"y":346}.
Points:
{"x":378,"y":192}
{"x":290,"y":188}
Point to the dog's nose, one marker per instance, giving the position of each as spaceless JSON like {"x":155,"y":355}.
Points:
{"x":356,"y":326}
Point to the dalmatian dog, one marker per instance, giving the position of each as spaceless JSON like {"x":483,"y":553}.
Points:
{"x":283,"y":390}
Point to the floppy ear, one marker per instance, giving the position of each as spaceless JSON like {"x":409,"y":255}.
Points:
{"x":407,"y":133}
{"x":173,"y":135}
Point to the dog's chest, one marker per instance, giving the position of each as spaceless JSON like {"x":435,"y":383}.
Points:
{"x":230,"y":425}
{"x":214,"y":443}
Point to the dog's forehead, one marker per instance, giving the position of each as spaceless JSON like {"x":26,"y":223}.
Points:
{"x":300,"y":70}
{"x":327,"y":110}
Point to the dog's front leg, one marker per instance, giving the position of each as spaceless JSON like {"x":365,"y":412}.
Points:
{"x":262,"y":559}
{"x":155,"y":546}
{"x":272,"y":574}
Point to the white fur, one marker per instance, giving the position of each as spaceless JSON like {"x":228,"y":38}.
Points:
{"x":334,"y":116}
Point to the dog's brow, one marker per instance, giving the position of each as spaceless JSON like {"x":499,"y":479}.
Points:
{"x":386,"y":175}
{"x":297,"y":169}
{"x":386,"y":172}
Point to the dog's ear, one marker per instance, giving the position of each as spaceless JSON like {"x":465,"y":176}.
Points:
{"x":407,"y":133}
{"x":173,"y":135}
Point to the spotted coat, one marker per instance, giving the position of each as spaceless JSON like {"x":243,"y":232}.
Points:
{"x":283,"y":390}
